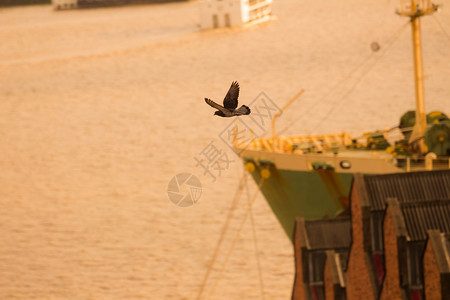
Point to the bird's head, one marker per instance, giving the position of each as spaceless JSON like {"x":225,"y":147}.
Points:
{"x":219,"y":113}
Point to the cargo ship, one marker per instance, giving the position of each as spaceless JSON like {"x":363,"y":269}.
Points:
{"x":311,"y":176}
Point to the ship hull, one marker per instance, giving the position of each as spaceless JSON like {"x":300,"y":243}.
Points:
{"x":309,"y":194}
{"x":313,"y":186}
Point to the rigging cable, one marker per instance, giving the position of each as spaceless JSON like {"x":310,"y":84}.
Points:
{"x":222,"y":234}
{"x":442,"y":27}
{"x":241,"y":226}
{"x":346,"y":78}
{"x":364,"y":73}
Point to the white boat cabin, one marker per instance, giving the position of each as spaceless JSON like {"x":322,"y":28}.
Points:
{"x":228,"y":13}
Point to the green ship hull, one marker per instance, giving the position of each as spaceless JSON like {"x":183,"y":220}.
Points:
{"x":313,"y":195}
{"x":317,"y":184}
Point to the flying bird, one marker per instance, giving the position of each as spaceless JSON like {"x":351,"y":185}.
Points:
{"x":230,"y":103}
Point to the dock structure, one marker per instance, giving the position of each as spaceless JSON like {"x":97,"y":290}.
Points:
{"x":321,"y":245}
{"x":407,"y":227}
{"x":436,"y":264}
{"x":230,"y":13}
{"x":398,"y":244}
{"x":369,"y":196}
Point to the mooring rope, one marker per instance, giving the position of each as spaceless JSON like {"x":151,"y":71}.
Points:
{"x":235,"y":239}
{"x":255,"y":241}
{"x":222,"y":234}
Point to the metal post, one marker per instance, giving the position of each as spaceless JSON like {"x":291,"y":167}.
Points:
{"x":418,"y":9}
{"x":421,"y":122}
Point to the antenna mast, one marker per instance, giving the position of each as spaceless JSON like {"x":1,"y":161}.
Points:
{"x":414,"y":9}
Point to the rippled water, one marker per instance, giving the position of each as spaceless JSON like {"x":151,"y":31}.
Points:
{"x":100,"y":108}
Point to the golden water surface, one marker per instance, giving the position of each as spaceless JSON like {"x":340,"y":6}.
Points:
{"x":100,"y":108}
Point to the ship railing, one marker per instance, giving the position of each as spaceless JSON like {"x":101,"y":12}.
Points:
{"x":428,"y":162}
{"x":259,"y":9}
{"x":316,"y":143}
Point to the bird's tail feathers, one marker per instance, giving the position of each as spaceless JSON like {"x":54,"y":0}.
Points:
{"x":243,"y":110}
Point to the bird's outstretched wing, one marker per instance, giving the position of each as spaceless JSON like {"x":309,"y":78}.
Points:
{"x":216,"y":106}
{"x":231,"y":99}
